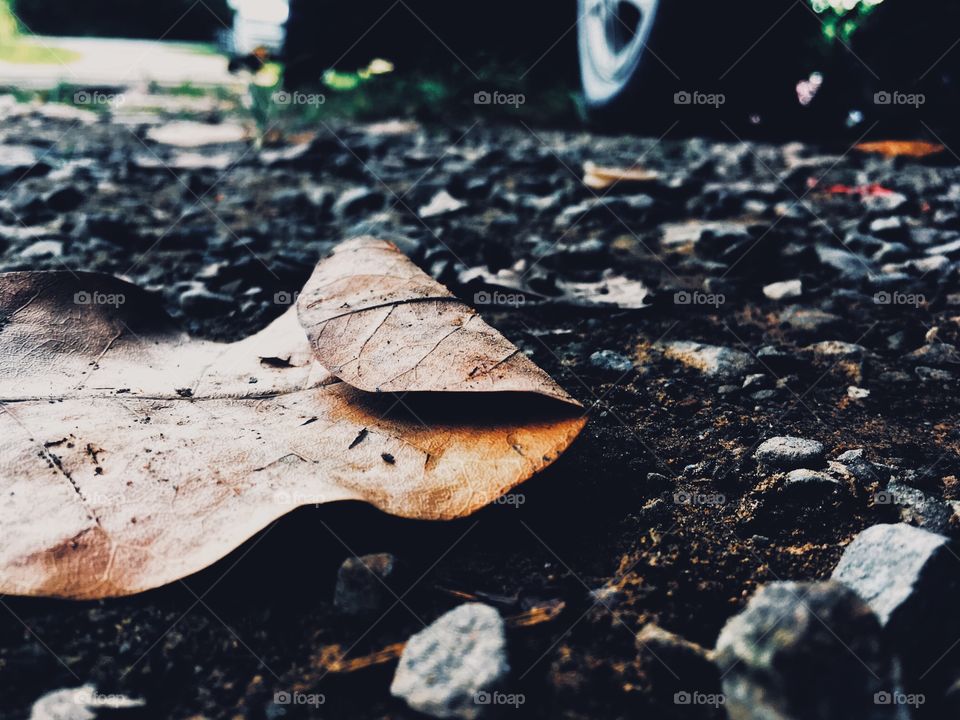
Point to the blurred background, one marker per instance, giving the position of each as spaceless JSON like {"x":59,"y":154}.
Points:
{"x":779,"y":68}
{"x":690,"y":214}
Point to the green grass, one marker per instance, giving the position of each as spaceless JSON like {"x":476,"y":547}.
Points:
{"x":24,"y":52}
{"x":426,"y":96}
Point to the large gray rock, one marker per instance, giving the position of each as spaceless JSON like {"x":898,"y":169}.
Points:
{"x":910,"y":578}
{"x":885,"y":563}
{"x":446,"y":669}
{"x":806,"y":651}
{"x":788,"y":453}
{"x":712,"y":360}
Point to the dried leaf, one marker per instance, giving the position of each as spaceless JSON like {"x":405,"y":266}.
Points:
{"x":600,"y":178}
{"x":132,"y":455}
{"x":382,"y":325}
{"x":333,"y":659}
{"x":900,"y":148}
{"x":863,"y":191}
{"x":544,"y":612}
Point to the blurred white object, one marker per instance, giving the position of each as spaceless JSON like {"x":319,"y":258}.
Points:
{"x":78,"y":704}
{"x":257,"y":23}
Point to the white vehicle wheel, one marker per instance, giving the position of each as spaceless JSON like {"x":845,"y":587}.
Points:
{"x":612,"y":36}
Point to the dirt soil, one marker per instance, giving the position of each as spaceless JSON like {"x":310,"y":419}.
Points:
{"x":659,"y":505}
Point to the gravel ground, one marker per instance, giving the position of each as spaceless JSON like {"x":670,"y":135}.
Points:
{"x":789,"y":290}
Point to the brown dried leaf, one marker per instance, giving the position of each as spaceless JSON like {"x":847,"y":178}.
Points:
{"x":382,"y":325}
{"x":132,"y":455}
{"x":332,"y":658}
{"x":900,"y":148}
{"x":544,"y":612}
{"x":600,"y":178}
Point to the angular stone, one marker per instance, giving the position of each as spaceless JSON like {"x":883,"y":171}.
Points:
{"x":805,"y":651}
{"x":910,"y":578}
{"x":811,"y":484}
{"x":611,"y":361}
{"x":441,"y":204}
{"x":789,"y":453}
{"x":712,"y":360}
{"x":447,"y":668}
{"x":783,"y":290}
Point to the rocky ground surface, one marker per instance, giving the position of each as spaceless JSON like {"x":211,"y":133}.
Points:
{"x":765,"y":338}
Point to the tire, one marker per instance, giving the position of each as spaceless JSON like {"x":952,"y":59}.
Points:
{"x":748,"y":70}
{"x":612,"y":41}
